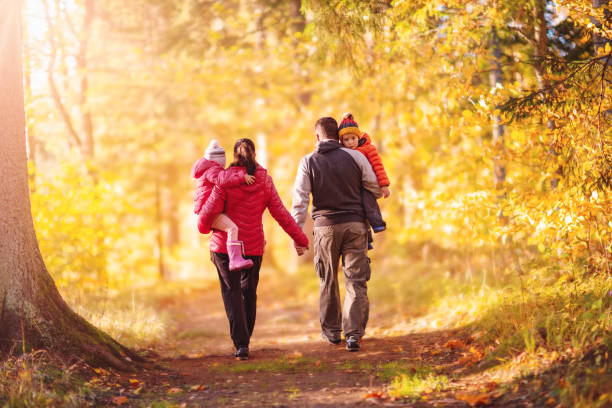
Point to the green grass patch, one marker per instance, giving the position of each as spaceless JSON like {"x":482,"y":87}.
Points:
{"x":281,"y":365}
{"x":415,"y":382}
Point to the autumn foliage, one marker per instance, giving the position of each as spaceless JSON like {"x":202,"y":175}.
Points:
{"x":492,"y":119}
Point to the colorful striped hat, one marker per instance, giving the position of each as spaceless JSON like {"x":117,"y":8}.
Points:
{"x":348,"y":125}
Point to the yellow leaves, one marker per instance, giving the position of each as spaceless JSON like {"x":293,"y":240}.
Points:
{"x":467,"y":114}
{"x":135,"y":382}
{"x":173,"y":390}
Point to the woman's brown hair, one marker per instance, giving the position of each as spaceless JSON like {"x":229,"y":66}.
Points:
{"x":244,"y":155}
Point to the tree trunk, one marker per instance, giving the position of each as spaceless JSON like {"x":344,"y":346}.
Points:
{"x":27,"y":82}
{"x":89,"y":145}
{"x":159,"y":235}
{"x":32,"y":312}
{"x":541,"y":51}
{"x":495,"y":78}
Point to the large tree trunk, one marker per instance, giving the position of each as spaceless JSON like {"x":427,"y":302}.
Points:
{"x":32,"y":312}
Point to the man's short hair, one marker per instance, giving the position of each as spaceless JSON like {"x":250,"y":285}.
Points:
{"x":328,"y":127}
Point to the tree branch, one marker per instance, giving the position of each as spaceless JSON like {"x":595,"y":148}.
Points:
{"x":54,"y":91}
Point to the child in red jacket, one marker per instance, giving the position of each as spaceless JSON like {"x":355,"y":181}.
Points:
{"x":210,"y":171}
{"x":352,"y":138}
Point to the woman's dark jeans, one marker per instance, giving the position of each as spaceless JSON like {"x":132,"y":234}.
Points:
{"x":239,"y":291}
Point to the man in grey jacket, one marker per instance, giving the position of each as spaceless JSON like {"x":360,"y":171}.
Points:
{"x":335,"y":175}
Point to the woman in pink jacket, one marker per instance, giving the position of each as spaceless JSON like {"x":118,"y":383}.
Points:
{"x":245,"y":205}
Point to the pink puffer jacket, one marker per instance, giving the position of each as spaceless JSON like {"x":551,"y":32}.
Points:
{"x":245,"y":205}
{"x":209,"y":174}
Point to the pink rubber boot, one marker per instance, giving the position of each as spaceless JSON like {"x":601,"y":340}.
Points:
{"x":236,"y":261}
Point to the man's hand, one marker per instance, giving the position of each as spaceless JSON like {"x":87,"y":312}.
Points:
{"x":300,"y":249}
{"x":385,"y":191}
{"x":249,"y":179}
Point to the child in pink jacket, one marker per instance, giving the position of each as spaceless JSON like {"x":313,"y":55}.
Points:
{"x":210,"y":171}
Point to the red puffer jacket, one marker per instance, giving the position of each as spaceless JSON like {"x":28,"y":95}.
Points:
{"x":369,"y":150}
{"x":209,"y":174}
{"x":245,"y":205}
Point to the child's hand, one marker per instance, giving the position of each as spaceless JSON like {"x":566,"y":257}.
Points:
{"x":386,"y":192}
{"x":249,"y":179}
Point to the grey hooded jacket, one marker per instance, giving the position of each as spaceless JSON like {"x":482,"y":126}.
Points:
{"x":334,"y":175}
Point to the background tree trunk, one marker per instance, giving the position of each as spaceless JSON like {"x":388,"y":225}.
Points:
{"x":32,"y":312}
{"x":495,"y":78}
{"x":541,"y":52}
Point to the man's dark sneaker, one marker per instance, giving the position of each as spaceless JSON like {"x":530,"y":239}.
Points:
{"x":352,"y":344}
{"x":335,"y":342}
{"x":242,"y":353}
{"x":380,"y":228}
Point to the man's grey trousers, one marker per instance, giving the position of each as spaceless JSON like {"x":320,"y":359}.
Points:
{"x":349,"y":242}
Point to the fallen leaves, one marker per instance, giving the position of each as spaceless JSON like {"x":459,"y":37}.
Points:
{"x":119,"y":400}
{"x":198,"y":387}
{"x":174,"y":390}
{"x":474,"y":400}
{"x":473,"y":356}
{"x":135,"y":383}
{"x":455,"y":344}
{"x":375,"y":396}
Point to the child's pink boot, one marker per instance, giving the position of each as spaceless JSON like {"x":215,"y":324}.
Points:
{"x":236,"y":261}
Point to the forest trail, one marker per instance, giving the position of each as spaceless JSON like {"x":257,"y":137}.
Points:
{"x":289,"y":364}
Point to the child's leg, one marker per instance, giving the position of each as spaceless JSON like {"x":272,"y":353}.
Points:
{"x":224,"y":223}
{"x":372,"y":211}
{"x":235,"y":249}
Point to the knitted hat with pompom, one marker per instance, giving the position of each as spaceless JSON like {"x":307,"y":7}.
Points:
{"x":348,"y":125}
{"x":215,"y":153}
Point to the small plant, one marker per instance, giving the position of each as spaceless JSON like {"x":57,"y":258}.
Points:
{"x":413,"y":384}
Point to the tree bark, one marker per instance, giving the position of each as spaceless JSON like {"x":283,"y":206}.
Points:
{"x":541,"y":51}
{"x":495,"y":78}
{"x":27,"y":82}
{"x":32,"y":312}
{"x":89,"y":146}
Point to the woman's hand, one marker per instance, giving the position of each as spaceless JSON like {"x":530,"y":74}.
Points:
{"x":300,"y":249}
{"x":385,"y":191}
{"x":249,"y":179}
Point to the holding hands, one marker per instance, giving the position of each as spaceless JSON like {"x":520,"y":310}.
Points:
{"x":300,"y":249}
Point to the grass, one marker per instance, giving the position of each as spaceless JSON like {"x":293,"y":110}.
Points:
{"x":34,"y":380}
{"x":550,"y":325}
{"x":413,"y":384}
{"x":541,"y":322}
{"x":287,"y":364}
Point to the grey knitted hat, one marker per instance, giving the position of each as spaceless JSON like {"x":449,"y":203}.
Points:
{"x":215,"y":153}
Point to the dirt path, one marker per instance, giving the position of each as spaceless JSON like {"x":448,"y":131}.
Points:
{"x":289,"y":365}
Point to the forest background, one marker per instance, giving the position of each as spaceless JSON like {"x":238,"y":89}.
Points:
{"x":492,"y":119}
